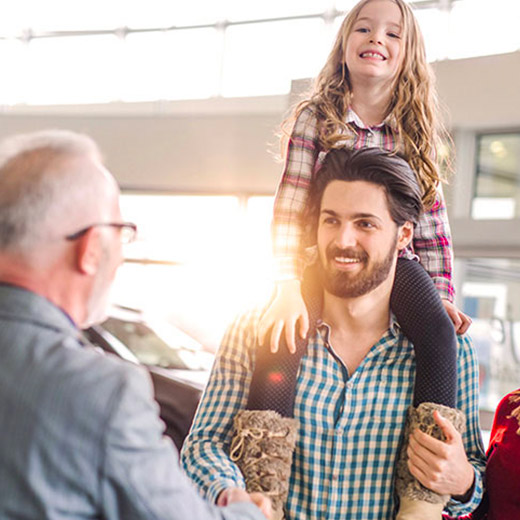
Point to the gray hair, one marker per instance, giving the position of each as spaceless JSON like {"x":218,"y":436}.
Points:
{"x":379,"y":167}
{"x":36,"y":189}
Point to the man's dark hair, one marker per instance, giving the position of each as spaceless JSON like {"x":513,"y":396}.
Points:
{"x":373,"y":165}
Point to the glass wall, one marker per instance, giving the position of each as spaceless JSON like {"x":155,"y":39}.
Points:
{"x":198,"y":260}
{"x":103,"y":51}
{"x":497,"y":188}
{"x":491,"y":296}
{"x":487,"y":258}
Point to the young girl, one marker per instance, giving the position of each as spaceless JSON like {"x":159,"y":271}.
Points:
{"x":374,"y":90}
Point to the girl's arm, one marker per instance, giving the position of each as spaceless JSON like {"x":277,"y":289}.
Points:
{"x":432,"y":243}
{"x":292,"y":195}
{"x":287,"y":310}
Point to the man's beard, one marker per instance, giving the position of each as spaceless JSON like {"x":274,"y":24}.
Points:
{"x":344,"y":284}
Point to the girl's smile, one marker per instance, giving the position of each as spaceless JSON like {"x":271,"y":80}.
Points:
{"x":374,"y":47}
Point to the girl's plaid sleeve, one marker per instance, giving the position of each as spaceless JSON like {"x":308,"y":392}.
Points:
{"x":292,"y":195}
{"x":432,"y":243}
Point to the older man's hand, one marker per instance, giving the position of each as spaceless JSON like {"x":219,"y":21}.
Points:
{"x":440,"y":466}
{"x":231,"y":495}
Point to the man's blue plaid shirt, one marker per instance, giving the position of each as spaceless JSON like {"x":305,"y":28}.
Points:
{"x":350,"y":424}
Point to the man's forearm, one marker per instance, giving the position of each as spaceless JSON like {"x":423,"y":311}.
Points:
{"x":205,"y":454}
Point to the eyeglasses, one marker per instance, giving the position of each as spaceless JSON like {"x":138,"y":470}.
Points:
{"x":128,"y":231}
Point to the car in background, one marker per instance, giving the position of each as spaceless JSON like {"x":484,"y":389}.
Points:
{"x":178,"y":364}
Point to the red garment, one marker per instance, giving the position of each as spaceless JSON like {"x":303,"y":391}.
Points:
{"x":503,"y":467}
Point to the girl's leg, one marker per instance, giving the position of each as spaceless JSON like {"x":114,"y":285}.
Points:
{"x":273,"y":384}
{"x":267,"y":425}
{"x":424,"y":321}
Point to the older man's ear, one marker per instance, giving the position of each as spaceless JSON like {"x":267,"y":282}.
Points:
{"x":405,"y":235}
{"x":88,"y":252}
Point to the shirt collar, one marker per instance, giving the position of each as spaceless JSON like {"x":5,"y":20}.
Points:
{"x":352,"y":117}
{"x":393,"y":327}
{"x":24,"y":305}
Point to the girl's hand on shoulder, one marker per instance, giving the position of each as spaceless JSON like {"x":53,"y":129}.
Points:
{"x":285,"y":313}
{"x":461,"y":322}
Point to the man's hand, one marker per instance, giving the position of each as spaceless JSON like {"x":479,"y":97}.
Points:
{"x":461,"y":322}
{"x":440,"y":466}
{"x":285,"y":312}
{"x":231,"y":495}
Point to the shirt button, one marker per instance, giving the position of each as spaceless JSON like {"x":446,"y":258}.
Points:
{"x":350,"y":385}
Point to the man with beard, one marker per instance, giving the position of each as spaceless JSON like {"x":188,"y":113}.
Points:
{"x":80,"y":434}
{"x":355,"y":380}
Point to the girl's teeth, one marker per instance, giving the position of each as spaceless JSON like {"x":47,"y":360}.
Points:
{"x":371,"y":55}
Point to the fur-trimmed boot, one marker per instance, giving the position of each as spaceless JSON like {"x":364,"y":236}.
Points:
{"x":263,"y":446}
{"x":415,"y":501}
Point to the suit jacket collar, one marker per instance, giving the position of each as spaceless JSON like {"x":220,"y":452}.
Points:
{"x":18,"y":304}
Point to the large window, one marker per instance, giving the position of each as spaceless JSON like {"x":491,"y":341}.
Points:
{"x":153,"y":67}
{"x":491,"y":296}
{"x":481,"y":27}
{"x":58,"y":69}
{"x":258,"y":65}
{"x":109,"y":50}
{"x":485,"y":208}
{"x":497,"y":190}
{"x":198,"y":260}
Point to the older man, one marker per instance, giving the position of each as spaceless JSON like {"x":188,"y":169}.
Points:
{"x":80,"y":435}
{"x":355,"y":381}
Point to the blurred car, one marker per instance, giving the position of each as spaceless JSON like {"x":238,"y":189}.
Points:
{"x":178,"y":365}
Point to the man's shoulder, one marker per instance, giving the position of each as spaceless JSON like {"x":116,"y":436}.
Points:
{"x":465,"y":347}
{"x":250,"y":317}
{"x":465,"y":344}
{"x":467,"y":360}
{"x":243,"y":329}
{"x":68,"y":394}
{"x":96,"y":378}
{"x":61,"y":364}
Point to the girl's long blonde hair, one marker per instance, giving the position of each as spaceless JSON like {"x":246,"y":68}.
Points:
{"x":413,"y":107}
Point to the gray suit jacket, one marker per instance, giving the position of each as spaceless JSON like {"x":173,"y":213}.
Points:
{"x":80,"y":435}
